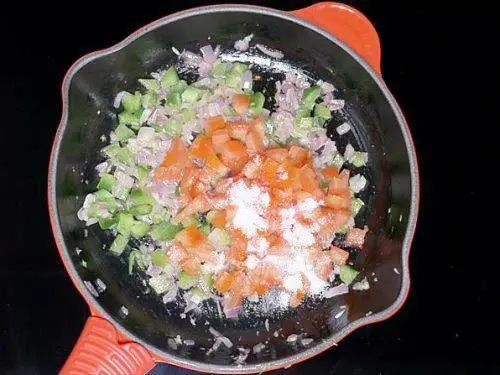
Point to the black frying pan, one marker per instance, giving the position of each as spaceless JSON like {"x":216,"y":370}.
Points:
{"x":114,"y":343}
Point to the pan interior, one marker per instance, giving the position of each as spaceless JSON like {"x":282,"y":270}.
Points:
{"x":376,"y":130}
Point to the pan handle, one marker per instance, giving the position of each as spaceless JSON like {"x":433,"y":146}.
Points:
{"x":347,"y":24}
{"x":100,"y":350}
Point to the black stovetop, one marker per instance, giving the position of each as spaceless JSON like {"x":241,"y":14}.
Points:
{"x":427,"y":54}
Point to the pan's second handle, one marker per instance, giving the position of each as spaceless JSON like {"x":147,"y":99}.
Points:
{"x":99,"y":351}
{"x":348,"y":25}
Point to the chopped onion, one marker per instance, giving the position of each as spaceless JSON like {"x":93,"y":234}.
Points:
{"x":349,"y":152}
{"x":246,"y":80}
{"x":270,"y":52}
{"x":357,"y":183}
{"x":176,"y":51}
{"x":292,"y":338}
{"x":336,"y":291}
{"x":101,"y":287}
{"x":214,"y":109}
{"x":208,"y":54}
{"x":118,"y":99}
{"x":306,"y":341}
{"x":343,"y":129}
{"x":191,"y":58}
{"x":91,"y":288}
{"x":257,"y":348}
{"x":361,"y":285}
{"x":243,"y":44}
{"x":189,"y":342}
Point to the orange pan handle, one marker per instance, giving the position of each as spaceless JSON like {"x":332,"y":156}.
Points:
{"x":101,"y":350}
{"x":348,"y":25}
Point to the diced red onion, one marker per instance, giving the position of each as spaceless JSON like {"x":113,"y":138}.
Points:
{"x":326,"y":87}
{"x":292,"y":338}
{"x":336,"y":291}
{"x":306,"y":341}
{"x":232,"y":313}
{"x":214,"y":109}
{"x":349,"y":152}
{"x":208,"y":54}
{"x":176,"y":51}
{"x":243,"y":44}
{"x":118,"y":99}
{"x":204,"y":69}
{"x":191,"y":58}
{"x":361,"y":285}
{"x":246,"y":80}
{"x":91,"y":288}
{"x":189,"y":342}
{"x":284,"y":123}
{"x":343,"y":129}
{"x":270,"y":52}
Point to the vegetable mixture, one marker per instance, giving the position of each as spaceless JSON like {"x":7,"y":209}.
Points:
{"x":213,"y":196}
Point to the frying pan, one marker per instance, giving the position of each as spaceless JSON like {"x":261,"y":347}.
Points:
{"x":327,"y":40}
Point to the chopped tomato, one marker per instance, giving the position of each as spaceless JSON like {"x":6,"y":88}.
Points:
{"x":339,"y":256}
{"x":240,"y":103}
{"x":269,"y":171}
{"x":219,"y":137}
{"x":234,"y":155}
{"x":329,"y":173}
{"x":338,"y":201}
{"x":296,"y":298}
{"x":277,"y":154}
{"x":237,"y":251}
{"x":204,"y":251}
{"x":259,"y":126}
{"x":340,"y":183}
{"x":191,"y":265}
{"x":238,"y":130}
{"x":199,"y":204}
{"x":213,"y":123}
{"x":219,"y":220}
{"x":202,"y":148}
{"x":223,"y":281}
{"x":283,"y":197}
{"x":308,"y":179}
{"x":174,"y":162}
{"x":254,"y":141}
{"x":323,"y":264}
{"x":252,"y":168}
{"x":190,"y":237}
{"x":298,"y":155}
{"x":189,"y":180}
{"x":356,"y":237}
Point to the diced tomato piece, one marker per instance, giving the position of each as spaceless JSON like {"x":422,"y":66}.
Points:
{"x":223,"y":281}
{"x":252,"y":168}
{"x":238,"y":130}
{"x":329,"y":173}
{"x":219,"y":219}
{"x":219,"y":137}
{"x":277,"y":154}
{"x":174,"y":162}
{"x":323,"y":264}
{"x":340,"y":183}
{"x":259,"y":125}
{"x":211,"y":124}
{"x":254,"y":141}
{"x":296,"y":298}
{"x":298,"y":155}
{"x":199,"y":204}
{"x":284,"y":197}
{"x":190,"y":237}
{"x":339,"y":256}
{"x":237,"y":251}
{"x":240,"y":103}
{"x":191,"y":266}
{"x":204,"y":251}
{"x":189,"y":180}
{"x":202,"y":148}
{"x":308,"y":179}
{"x":338,"y":201}
{"x":234,"y":155}
{"x":356,"y":237}
{"x":269,"y":172}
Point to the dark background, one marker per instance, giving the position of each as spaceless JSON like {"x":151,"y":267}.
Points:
{"x":436,"y":61}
